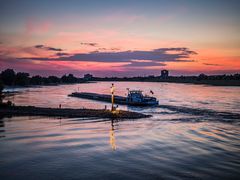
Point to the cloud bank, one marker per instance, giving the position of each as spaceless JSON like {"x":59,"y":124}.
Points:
{"x":126,"y":62}
{"x":155,"y":57}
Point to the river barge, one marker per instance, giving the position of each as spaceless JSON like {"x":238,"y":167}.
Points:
{"x":134,"y":98}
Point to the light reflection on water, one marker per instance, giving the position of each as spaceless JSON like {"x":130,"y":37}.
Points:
{"x":39,"y":148}
{"x":169,"y":145}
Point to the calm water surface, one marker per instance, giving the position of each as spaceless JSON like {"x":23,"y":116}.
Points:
{"x":169,"y":145}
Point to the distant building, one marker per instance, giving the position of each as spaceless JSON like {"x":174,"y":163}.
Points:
{"x":202,"y":76}
{"x":88,"y":77}
{"x":164,"y":73}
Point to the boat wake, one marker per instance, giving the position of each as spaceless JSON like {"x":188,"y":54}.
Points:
{"x":206,"y":114}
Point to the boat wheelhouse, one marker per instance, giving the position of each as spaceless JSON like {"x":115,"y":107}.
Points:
{"x":136,"y":97}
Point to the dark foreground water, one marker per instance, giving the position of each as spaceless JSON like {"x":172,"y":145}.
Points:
{"x":193,"y":134}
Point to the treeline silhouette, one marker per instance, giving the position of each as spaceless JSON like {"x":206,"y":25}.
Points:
{"x":219,"y":80}
{"x":170,"y":78}
{"x":9,"y":77}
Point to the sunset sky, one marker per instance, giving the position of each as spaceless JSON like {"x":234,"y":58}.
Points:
{"x":120,"y":38}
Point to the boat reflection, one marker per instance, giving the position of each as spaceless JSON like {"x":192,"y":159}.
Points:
{"x":112,"y":137}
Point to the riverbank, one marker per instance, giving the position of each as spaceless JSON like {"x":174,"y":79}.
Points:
{"x":67,"y":112}
{"x":206,"y":82}
{"x":178,"y":81}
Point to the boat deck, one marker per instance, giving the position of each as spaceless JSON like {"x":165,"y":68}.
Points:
{"x":99,"y":97}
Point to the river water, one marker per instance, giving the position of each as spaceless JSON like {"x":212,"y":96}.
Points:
{"x":193,"y":134}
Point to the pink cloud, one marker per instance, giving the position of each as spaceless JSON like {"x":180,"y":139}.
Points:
{"x":59,"y":68}
{"x":20,"y":52}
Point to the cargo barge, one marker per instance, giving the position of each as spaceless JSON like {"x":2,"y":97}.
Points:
{"x":134,"y":98}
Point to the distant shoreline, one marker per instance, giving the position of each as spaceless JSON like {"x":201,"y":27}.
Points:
{"x":234,"y":83}
{"x":208,"y":80}
{"x":212,"y":83}
{"x":10,"y":78}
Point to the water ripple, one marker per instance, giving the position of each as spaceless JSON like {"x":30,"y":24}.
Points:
{"x":143,"y":148}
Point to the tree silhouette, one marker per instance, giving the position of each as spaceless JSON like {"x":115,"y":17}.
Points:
{"x":36,"y":80}
{"x":1,"y":88}
{"x":8,"y":77}
{"x":69,"y":79}
{"x":53,"y":79}
{"x":22,"y":79}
